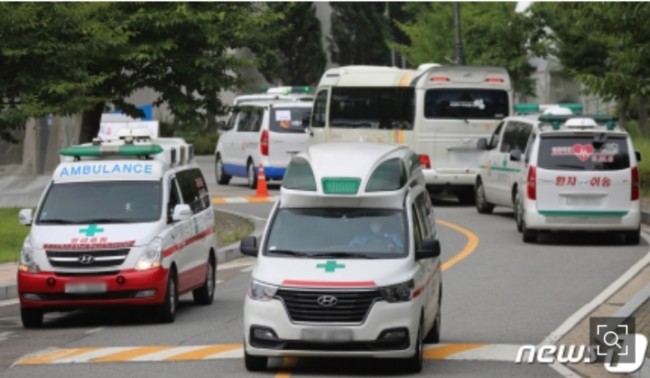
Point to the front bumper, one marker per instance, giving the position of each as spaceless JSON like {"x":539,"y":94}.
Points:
{"x":368,"y":339}
{"x":450,"y":178}
{"x":47,"y":290}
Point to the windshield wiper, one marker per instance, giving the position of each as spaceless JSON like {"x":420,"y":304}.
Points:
{"x":287,"y":252}
{"x":57,"y":221}
{"x":103,"y":220}
{"x":343,"y":255}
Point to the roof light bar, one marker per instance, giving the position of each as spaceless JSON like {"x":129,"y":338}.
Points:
{"x":557,"y":120}
{"x":124,"y":150}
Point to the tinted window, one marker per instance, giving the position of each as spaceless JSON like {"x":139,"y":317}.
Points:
{"x":174,"y":198}
{"x":320,"y":106}
{"x":250,"y":120}
{"x":466,"y":104}
{"x":374,"y":108}
{"x":102,"y":202}
{"x":494,"y":139}
{"x":515,"y":136}
{"x":193,"y":189}
{"x":289,"y":120}
{"x":583,"y":153}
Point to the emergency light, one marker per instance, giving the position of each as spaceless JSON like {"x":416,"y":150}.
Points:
{"x":530,"y":108}
{"x":557,"y":120}
{"x":112,"y":150}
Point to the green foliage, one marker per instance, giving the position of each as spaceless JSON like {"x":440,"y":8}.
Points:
{"x":292,"y":52}
{"x":12,"y":235}
{"x":492,"y":34}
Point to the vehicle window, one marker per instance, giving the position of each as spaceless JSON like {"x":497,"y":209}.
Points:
{"x":193,"y":189}
{"x":289,"y":120}
{"x":320,"y":107}
{"x":494,"y":139}
{"x":424,"y":211}
{"x":250,"y":120}
{"x":523,"y":134}
{"x":417,"y":232}
{"x":342,"y":232}
{"x":372,"y":107}
{"x":583,"y":153}
{"x":102,"y":202}
{"x":529,"y":147}
{"x":174,"y":198}
{"x":466,"y":103}
{"x":509,"y":139}
{"x":231,"y":121}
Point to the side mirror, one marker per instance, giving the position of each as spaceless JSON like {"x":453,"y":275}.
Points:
{"x":182,"y":212}
{"x":638,"y":156}
{"x":482,"y":144}
{"x":515,"y":155}
{"x":25,"y":217}
{"x":430,"y":249}
{"x":248,"y":246}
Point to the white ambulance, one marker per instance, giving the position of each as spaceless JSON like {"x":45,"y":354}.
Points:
{"x":349,"y":263}
{"x":123,"y":222}
{"x":579,"y":173}
{"x":438,"y":111}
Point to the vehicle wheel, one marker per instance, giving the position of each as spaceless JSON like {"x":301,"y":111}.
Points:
{"x":255,"y":363}
{"x":528,"y":235}
{"x":252,"y":175}
{"x":519,"y":211}
{"x":632,"y":237}
{"x":482,"y":205}
{"x":166,"y":312}
{"x":204,"y":295}
{"x":222,"y":178}
{"x":414,"y":364}
{"x":434,"y":335}
{"x":32,"y":318}
{"x":466,"y":196}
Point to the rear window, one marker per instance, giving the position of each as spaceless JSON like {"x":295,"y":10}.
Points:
{"x":289,"y":120}
{"x":466,"y":104}
{"x":372,"y":107}
{"x":583,"y":153}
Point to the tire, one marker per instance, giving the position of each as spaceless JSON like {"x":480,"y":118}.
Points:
{"x":251,"y":175}
{"x":466,"y":196}
{"x":528,"y":235}
{"x":219,"y":174}
{"x":166,"y":312}
{"x":632,"y":237}
{"x":414,"y":364}
{"x":204,"y":295}
{"x":31,"y":318}
{"x":255,"y":363}
{"x":482,"y":205}
{"x":517,"y":207}
{"x":433,"y":336}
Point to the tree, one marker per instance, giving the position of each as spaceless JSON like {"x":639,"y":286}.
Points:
{"x":298,"y":57}
{"x":492,"y":34}
{"x":67,"y":58}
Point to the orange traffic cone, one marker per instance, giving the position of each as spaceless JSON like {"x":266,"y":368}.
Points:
{"x":262,"y":190}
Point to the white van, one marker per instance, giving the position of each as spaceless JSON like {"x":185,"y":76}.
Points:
{"x":123,"y":223}
{"x":438,"y":111}
{"x":579,"y":173}
{"x":266,"y":133}
{"x":349,"y":263}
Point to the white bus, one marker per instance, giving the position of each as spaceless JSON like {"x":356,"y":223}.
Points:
{"x":438,"y":111}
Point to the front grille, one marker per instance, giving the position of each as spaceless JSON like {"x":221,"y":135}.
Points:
{"x":351,"y":306}
{"x":87,"y":259}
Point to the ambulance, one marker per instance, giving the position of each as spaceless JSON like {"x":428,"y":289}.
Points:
{"x":349,"y":262}
{"x":124,"y":222}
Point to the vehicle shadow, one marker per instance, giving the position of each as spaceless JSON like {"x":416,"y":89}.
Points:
{"x":344,"y":366}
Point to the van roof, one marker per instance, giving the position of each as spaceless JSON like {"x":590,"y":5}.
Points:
{"x":470,"y":76}
{"x":367,"y":76}
{"x":277,"y":104}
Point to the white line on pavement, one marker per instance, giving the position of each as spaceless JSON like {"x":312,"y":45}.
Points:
{"x":8,"y":302}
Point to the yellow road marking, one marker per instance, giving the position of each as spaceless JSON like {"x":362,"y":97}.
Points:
{"x":204,"y":352}
{"x":55,"y":355}
{"x":442,"y":352}
{"x":257,"y":199}
{"x":130,"y":354}
{"x":470,"y":247}
{"x":218,"y":201}
{"x":288,"y":363}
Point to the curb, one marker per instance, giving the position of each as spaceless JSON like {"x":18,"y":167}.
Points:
{"x":225,"y":254}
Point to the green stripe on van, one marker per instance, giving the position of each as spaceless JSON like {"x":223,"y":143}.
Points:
{"x":568,"y":213}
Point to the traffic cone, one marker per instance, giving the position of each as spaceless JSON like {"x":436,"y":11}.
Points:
{"x":262,"y":190}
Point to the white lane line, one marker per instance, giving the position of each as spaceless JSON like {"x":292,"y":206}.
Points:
{"x":249,"y":269}
{"x":164,"y":354}
{"x":4,"y":336}
{"x":91,"y":355}
{"x":564,"y":371}
{"x":235,"y":353}
{"x":94,"y":330}
{"x":587,"y":309}
{"x":235,"y":264}
{"x":9,"y":302}
{"x":220,"y":282}
{"x":490,"y":352}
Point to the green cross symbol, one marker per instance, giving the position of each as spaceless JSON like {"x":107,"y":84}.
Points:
{"x":330,"y":266}
{"x":91,"y":230}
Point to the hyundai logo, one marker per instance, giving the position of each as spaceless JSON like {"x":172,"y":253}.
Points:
{"x":327,"y":300}
{"x":86,"y":259}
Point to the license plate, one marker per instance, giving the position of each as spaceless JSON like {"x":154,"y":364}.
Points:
{"x":326,"y":335}
{"x":466,"y":157}
{"x":582,"y":201}
{"x":85,"y":288}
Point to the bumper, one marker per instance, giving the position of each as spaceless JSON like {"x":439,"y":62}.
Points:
{"x":274,"y":173}
{"x":47,"y":290}
{"x":378,"y":336}
{"x":450,"y":179}
{"x":576,"y":221}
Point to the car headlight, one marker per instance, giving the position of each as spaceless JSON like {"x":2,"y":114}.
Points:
{"x":397,"y":293}
{"x":261,"y":291}
{"x":151,"y":257}
{"x":27,"y":263}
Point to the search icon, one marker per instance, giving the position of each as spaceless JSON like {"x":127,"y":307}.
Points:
{"x":613,"y":337}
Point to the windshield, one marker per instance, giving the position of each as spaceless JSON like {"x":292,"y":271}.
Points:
{"x":373,"y":108}
{"x":101,"y":202}
{"x":583,"y":153}
{"x":338,"y":233}
{"x":466,"y":103}
{"x":289,"y":120}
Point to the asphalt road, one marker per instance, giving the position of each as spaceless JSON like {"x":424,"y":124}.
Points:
{"x":498,"y":294}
